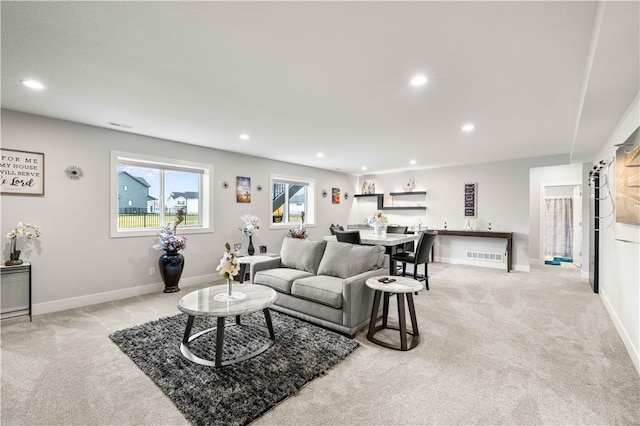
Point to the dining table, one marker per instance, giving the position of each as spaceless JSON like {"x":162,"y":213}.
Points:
{"x":392,"y":242}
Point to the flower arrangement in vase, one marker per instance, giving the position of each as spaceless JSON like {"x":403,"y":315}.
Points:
{"x":171,"y":263}
{"x":299,"y":233}
{"x":229,"y":267}
{"x":250,"y":228}
{"x":167,"y":240}
{"x":29,"y":231}
{"x":377,"y":221}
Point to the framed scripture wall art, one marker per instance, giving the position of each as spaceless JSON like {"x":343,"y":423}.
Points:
{"x":471,"y":200}
{"x":22,"y":172}
{"x":243,"y":189}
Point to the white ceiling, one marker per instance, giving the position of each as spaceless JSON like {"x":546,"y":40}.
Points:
{"x":536,"y":78}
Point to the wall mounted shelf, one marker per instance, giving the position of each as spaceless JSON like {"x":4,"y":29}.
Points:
{"x":380,"y":200}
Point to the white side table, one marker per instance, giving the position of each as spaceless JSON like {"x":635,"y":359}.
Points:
{"x":245,"y":261}
{"x":402,"y":287}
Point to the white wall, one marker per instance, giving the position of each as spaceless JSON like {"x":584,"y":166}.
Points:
{"x":503,"y":200}
{"x":76,"y":263}
{"x":620,"y":261}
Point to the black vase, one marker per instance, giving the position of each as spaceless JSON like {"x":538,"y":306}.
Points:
{"x":250,"y":249}
{"x":171,"y":264}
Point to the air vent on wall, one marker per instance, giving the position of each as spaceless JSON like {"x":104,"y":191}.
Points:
{"x":124,"y":126}
{"x":495,"y":257}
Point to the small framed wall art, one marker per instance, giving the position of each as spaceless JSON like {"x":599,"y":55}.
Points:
{"x":22,"y":172}
{"x":471,"y":200}
{"x":243,"y":189}
{"x":335,"y":195}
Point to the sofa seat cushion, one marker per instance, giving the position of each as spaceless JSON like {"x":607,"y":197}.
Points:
{"x":279,"y":279}
{"x":345,"y":260}
{"x":301,"y":254}
{"x":321,"y":289}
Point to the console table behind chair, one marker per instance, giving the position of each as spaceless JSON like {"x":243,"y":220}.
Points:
{"x":484,"y":234}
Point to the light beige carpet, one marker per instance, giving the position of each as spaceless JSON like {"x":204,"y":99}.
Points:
{"x":497,"y":348}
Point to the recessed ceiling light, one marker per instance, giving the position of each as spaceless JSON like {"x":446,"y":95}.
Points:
{"x":319,"y":155}
{"x":33,"y":84}
{"x":419,"y":80}
{"x":244,"y":137}
{"x":412,"y":162}
{"x":364,"y":168}
{"x":468,"y":127}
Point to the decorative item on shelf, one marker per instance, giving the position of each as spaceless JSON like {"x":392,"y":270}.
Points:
{"x":368,"y":187}
{"x":410,"y":185}
{"x":73,"y":172}
{"x":29,"y":231}
{"x":489,"y":227}
{"x":467,"y":225}
{"x":445,"y":224}
{"x":229,"y":268}
{"x":377,"y":221}
{"x":171,"y":263}
{"x":250,"y":228}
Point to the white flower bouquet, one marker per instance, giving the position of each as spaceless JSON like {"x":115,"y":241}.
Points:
{"x":251,"y":225}
{"x":228,"y":267}
{"x":377,"y":219}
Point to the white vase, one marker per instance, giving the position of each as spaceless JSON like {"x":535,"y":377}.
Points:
{"x":467,"y":225}
{"x":377,"y":229}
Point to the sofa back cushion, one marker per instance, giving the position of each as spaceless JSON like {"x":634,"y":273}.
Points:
{"x":346,"y":260}
{"x":302,"y":254}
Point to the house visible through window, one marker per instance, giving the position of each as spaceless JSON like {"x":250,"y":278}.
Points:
{"x":156,"y":192}
{"x":291,"y":199}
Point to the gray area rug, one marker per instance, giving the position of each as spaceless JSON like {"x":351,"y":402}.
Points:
{"x":239,"y":393}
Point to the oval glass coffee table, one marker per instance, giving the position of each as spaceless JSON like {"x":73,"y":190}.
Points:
{"x":203,"y":303}
{"x":401,"y":286}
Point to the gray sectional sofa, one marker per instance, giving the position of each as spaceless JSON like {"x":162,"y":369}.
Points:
{"x":324,"y":282}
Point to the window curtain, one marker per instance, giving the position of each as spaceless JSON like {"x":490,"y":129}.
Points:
{"x":559,"y":227}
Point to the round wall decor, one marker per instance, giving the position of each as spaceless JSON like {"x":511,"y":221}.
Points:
{"x":259,"y":187}
{"x":74,"y":172}
{"x":324,"y":193}
{"x":225,"y":185}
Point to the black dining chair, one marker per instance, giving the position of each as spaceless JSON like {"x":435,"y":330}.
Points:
{"x":397,"y":229}
{"x":352,"y":237}
{"x":419,"y":257}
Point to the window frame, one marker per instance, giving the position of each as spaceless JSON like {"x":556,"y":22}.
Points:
{"x":206,"y":192}
{"x":310,"y":203}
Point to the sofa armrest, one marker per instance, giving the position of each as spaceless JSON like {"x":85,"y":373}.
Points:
{"x":358,"y":298}
{"x":263,"y":266}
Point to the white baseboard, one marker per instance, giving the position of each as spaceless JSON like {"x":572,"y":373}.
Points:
{"x":628,"y":343}
{"x":492,"y":265}
{"x":109,"y":296}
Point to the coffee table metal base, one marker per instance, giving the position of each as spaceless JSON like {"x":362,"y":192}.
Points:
{"x":217,"y":363}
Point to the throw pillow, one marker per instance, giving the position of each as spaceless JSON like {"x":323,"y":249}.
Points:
{"x":300,"y":254}
{"x":346,"y":260}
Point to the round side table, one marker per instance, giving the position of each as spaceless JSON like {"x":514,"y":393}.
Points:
{"x":402,"y":287}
